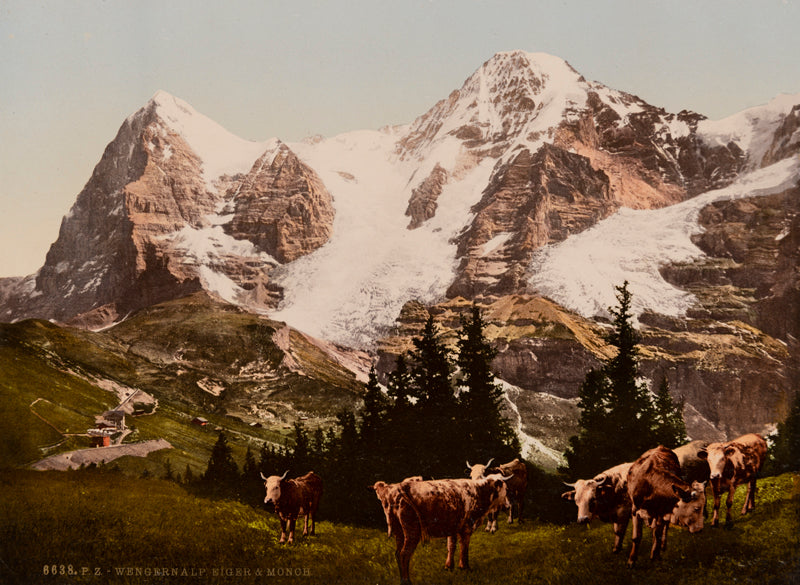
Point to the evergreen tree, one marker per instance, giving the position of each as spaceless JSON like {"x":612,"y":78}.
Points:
{"x":403,"y":427}
{"x":374,"y":413}
{"x":618,"y":419}
{"x":300,"y":458}
{"x":629,"y":409}
{"x":434,"y":425}
{"x":399,"y":383}
{"x":785,"y":451}
{"x":250,"y":468}
{"x":670,"y":428}
{"x":222,"y":471}
{"x":252,"y":486}
{"x":487,"y":432}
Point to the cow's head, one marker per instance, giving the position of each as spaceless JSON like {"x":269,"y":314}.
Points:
{"x":478,"y":470}
{"x":494,"y":489}
{"x":586,"y":493}
{"x":381,"y":489}
{"x":718,"y":456}
{"x":688,"y":511}
{"x":273,"y":487}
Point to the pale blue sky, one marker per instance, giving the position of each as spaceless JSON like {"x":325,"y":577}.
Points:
{"x":72,"y":71}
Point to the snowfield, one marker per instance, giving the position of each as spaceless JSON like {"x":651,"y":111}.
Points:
{"x":581,"y":272}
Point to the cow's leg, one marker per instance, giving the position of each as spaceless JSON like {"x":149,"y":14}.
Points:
{"x":657,"y":526}
{"x":399,"y":541}
{"x":283,"y":529}
{"x":717,"y":497}
{"x":750,"y":500}
{"x":636,"y":538}
{"x":451,"y":552}
{"x":292,"y":522}
{"x":664,"y":535}
{"x":619,"y":533}
{"x":729,"y":505}
{"x":313,"y":515}
{"x":411,"y":538}
{"x":520,"y":501}
{"x":463,"y":561}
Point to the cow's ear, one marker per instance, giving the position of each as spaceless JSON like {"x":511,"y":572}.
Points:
{"x":729,"y":451}
{"x":569,"y":495}
{"x":684,"y":495}
{"x":702,"y":454}
{"x":499,"y":484}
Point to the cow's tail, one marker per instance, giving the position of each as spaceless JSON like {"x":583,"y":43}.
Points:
{"x":406,"y":496}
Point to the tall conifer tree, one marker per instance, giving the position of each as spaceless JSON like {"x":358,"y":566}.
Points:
{"x":618,"y":419}
{"x":486,"y":431}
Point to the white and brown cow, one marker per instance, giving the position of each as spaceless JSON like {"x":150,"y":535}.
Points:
{"x":389,"y":496}
{"x":659,"y":496}
{"x":445,"y":508}
{"x":604,"y":497}
{"x":292,"y":498}
{"x":517,"y":483}
{"x":732,"y":464}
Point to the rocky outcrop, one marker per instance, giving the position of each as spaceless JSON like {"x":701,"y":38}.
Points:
{"x":282,"y":207}
{"x":786,"y":140}
{"x":422,"y":204}
{"x":535,"y":199}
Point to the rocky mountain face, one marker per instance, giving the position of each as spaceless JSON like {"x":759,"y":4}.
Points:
{"x":130,"y":239}
{"x":447,"y":211}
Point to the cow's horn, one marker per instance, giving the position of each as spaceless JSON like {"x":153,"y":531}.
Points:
{"x":468,"y":465}
{"x":601,"y":479}
{"x":284,"y":475}
{"x":489,"y":463}
{"x":264,"y":477}
{"x":506,"y":477}
{"x":570,"y":485}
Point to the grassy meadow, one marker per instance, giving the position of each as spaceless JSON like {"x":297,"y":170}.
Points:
{"x":128,"y":529}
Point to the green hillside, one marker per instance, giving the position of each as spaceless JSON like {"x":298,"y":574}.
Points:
{"x":79,"y":522}
{"x":195,"y":356}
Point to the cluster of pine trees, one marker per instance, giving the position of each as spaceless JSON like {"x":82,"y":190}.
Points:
{"x":442,"y":407}
{"x":619,"y":418}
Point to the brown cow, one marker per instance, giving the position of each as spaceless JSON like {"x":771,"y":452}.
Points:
{"x":517,"y":472}
{"x":604,"y":497}
{"x":732,"y":464}
{"x":293,"y":498}
{"x":389,"y":497}
{"x":693,"y":459}
{"x":659,"y":496}
{"x":419,"y":510}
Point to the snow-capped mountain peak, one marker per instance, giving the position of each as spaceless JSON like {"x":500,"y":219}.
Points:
{"x":513,"y":98}
{"x":220,"y":151}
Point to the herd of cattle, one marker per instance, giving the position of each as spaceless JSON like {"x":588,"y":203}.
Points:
{"x":661,"y":487}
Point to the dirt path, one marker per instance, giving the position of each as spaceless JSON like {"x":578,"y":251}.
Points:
{"x":98,"y":455}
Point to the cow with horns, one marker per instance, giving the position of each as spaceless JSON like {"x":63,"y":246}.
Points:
{"x":604,"y":497}
{"x":292,"y":498}
{"x":445,"y":508}
{"x":516,"y":473}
